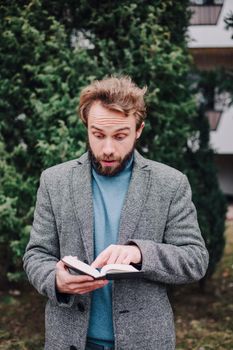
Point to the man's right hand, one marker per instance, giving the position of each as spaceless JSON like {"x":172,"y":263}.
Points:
{"x":75,"y":284}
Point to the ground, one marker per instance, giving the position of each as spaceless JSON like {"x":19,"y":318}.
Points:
{"x":204,"y":321}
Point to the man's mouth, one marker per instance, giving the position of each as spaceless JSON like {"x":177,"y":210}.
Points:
{"x":108,"y":162}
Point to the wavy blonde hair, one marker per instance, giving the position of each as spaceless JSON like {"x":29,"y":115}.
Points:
{"x":115,"y":93}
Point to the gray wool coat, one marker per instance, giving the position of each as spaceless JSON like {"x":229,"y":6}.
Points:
{"x":158,"y":216}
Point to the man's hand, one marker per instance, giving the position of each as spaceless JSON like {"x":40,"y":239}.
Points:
{"x":118,"y":254}
{"x":72,"y":284}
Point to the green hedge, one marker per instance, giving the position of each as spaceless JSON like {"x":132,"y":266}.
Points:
{"x":49,"y":51}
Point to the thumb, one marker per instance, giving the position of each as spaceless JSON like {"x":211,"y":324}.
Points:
{"x":61,"y":265}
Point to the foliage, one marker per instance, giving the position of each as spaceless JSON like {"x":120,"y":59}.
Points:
{"x":208,"y":198}
{"x":49,"y":51}
{"x":138,"y":40}
{"x":39,"y":84}
{"x":211,"y":85}
{"x":149,"y":44}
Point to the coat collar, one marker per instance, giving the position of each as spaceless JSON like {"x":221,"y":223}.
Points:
{"x":81,"y":193}
{"x":135,"y":199}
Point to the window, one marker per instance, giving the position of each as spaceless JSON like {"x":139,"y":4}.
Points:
{"x":206,"y":2}
{"x":205,"y":11}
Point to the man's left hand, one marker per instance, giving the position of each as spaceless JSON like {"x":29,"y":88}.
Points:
{"x":118,"y":254}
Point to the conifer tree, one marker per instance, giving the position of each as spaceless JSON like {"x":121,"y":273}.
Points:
{"x":50,"y":50}
{"x":147,"y":41}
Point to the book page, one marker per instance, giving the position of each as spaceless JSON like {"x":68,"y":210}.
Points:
{"x":116,"y":268}
{"x":72,"y":261}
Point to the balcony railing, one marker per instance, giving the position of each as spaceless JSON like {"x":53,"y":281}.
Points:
{"x":205,"y":14}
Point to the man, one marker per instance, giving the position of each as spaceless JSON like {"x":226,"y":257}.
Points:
{"x":113,"y":206}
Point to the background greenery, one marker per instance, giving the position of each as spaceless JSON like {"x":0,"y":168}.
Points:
{"x":49,"y":51}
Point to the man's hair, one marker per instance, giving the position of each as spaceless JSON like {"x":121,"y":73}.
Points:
{"x":115,"y":93}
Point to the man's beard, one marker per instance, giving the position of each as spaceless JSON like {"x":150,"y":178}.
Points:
{"x":109,"y":170}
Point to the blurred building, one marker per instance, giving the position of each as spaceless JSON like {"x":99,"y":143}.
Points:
{"x":211,"y":46}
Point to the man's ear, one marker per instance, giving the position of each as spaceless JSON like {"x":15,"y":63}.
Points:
{"x":139,"y":130}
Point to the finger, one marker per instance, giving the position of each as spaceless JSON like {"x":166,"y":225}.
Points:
{"x":121,"y":258}
{"x":102,"y":258}
{"x":89,"y":286}
{"x":61,"y":265}
{"x":91,"y":289}
{"x":78,"y":279}
{"x":114,"y":257}
{"x":127,"y":260}
{"x":86,"y":284}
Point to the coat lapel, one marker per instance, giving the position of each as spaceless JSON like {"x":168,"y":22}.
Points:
{"x":135,"y":199}
{"x":81,"y":194}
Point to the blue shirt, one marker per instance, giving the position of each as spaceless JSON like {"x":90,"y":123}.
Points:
{"x":108,"y":199}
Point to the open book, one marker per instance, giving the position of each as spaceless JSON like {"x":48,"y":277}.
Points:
{"x":110,"y":272}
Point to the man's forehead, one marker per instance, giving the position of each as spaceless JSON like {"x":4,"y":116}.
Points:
{"x":121,"y":123}
{"x":100,"y":117}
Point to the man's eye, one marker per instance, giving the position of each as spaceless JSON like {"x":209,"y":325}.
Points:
{"x":99,"y":136}
{"x":120,"y":137}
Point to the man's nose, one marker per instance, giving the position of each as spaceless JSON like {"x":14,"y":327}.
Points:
{"x":108,"y":147}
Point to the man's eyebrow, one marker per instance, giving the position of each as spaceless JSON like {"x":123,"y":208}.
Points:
{"x":125,"y":128}
{"x":95,"y":127}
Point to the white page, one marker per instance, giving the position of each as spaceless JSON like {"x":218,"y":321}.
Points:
{"x":117,"y":268}
{"x":74,"y":262}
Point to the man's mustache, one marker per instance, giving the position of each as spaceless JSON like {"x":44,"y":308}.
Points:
{"x":108,"y":159}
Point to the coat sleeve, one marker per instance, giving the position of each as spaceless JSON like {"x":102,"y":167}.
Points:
{"x":43,"y":251}
{"x":182,"y":256}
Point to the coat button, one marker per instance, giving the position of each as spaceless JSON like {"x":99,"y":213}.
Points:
{"x":73,"y":347}
{"x":85,"y":261}
{"x":81,"y":307}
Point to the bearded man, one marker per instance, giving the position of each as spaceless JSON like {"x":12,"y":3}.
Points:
{"x":113,"y":206}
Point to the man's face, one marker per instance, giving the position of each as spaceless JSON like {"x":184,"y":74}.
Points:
{"x":111,"y":137}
